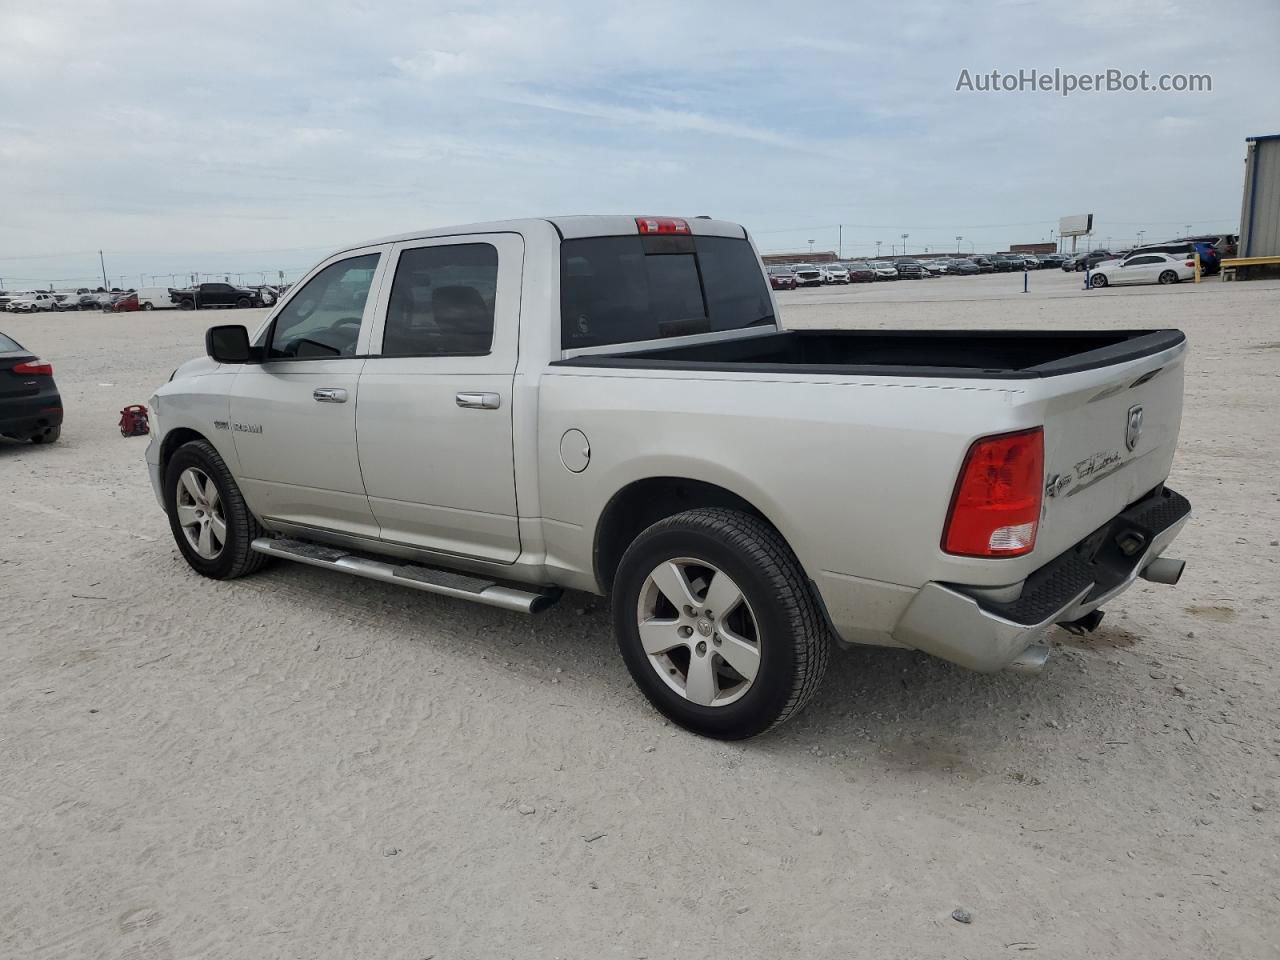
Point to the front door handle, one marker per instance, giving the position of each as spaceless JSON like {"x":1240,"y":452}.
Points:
{"x":479,"y":401}
{"x":329,"y":395}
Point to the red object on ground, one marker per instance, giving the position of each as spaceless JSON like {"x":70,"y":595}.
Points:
{"x":133,"y":421}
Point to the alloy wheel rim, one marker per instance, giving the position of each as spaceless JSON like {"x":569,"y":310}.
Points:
{"x":199,"y":509}
{"x":698,"y":632}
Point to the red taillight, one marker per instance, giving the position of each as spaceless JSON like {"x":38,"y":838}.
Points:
{"x":661,"y":225}
{"x":34,"y":368}
{"x":1191,"y":263}
{"x":996,"y":505}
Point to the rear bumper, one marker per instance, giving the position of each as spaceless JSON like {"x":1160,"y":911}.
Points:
{"x":968,"y":627}
{"x":31,"y":415}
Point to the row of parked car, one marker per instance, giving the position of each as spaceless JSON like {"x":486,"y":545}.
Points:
{"x":147,"y":298}
{"x":792,"y":275}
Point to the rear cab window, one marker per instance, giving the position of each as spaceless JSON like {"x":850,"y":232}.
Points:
{"x":629,"y":289}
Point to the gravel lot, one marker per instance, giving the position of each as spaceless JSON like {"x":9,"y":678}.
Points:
{"x":303,"y":765}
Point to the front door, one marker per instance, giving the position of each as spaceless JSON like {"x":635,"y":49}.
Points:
{"x":1141,"y":269}
{"x":434,"y":424}
{"x":293,"y":416}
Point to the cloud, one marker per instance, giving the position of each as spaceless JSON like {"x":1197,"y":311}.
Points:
{"x":295,"y":127}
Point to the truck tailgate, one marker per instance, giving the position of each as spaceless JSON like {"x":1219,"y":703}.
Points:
{"x":1109,"y":438}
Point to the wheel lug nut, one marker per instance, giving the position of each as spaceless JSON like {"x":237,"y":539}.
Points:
{"x":716,"y":640}
{"x":702,"y":648}
{"x":685,"y":631}
{"x":689,"y":611}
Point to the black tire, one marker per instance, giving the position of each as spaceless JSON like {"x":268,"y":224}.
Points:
{"x":1098,"y":280}
{"x":147,"y":306}
{"x":244,"y":303}
{"x":794,"y":640}
{"x":1168,"y":277}
{"x":49,"y":436}
{"x":236,"y":559}
{"x":186,"y":305}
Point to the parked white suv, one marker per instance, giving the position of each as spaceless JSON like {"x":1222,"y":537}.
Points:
{"x":32,"y":302}
{"x":498,"y":411}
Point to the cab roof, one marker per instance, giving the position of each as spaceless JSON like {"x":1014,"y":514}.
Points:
{"x":569,"y":228}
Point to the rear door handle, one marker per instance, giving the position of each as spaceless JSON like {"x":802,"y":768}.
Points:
{"x":479,"y":401}
{"x":329,"y":395}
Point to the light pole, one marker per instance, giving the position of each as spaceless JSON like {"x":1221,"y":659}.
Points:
{"x":103,"y":264}
{"x":1140,"y":233}
{"x":904,"y":243}
{"x":958,"y":239}
{"x":1188,"y":229}
{"x":810,"y":249}
{"x":877,"y":249}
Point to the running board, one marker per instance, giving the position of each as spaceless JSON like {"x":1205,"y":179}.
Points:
{"x":430,"y":579}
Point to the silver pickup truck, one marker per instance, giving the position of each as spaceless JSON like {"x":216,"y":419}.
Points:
{"x":500,"y":411}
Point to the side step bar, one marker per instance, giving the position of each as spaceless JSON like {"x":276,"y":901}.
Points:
{"x":430,"y":579}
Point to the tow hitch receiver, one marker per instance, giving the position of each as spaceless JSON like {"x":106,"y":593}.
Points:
{"x":1086,"y":624}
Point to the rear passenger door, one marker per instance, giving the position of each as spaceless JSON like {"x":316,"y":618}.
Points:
{"x":434,"y":423}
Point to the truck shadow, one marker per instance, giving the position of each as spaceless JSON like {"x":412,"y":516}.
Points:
{"x":877,"y":708}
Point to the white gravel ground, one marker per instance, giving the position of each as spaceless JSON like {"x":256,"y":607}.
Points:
{"x":302,"y":765}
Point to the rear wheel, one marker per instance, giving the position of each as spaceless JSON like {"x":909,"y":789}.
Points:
{"x":717,"y":623}
{"x":147,"y":306}
{"x":1168,"y":276}
{"x":244,"y":303}
{"x":186,"y":305}
{"x":210,"y":521}
{"x":49,"y":436}
{"x":1098,"y":280}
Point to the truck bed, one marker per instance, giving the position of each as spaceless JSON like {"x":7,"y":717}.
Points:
{"x":1001,"y":354}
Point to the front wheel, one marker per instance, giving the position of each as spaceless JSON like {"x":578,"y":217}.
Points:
{"x":1168,"y":277}
{"x":186,"y":305}
{"x":147,"y":306}
{"x":243,"y":303}
{"x":718,"y":624}
{"x":1098,"y":280}
{"x":208,"y":517}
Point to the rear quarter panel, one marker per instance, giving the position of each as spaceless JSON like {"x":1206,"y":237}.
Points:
{"x":856,"y":473}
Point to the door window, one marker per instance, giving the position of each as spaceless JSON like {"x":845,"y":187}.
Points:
{"x":441,"y":302}
{"x":323,"y":318}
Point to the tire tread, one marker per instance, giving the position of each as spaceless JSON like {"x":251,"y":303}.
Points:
{"x":242,"y":526}
{"x":762,"y":545}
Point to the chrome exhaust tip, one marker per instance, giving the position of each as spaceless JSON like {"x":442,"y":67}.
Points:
{"x":1030,"y":661}
{"x":1163,"y":570}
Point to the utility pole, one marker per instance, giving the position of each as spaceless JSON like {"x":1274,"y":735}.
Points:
{"x":106,"y":285}
{"x":840,"y":241}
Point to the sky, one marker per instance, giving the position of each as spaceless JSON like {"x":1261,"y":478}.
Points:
{"x":234,"y":137}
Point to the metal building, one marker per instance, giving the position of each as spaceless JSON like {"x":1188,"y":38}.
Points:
{"x":1260,"y":209}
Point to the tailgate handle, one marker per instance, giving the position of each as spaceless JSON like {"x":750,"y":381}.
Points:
{"x":329,"y":395}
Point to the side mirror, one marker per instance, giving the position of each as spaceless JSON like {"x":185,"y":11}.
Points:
{"x":229,"y":344}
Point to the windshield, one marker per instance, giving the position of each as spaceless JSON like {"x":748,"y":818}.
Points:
{"x":628,"y":289}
